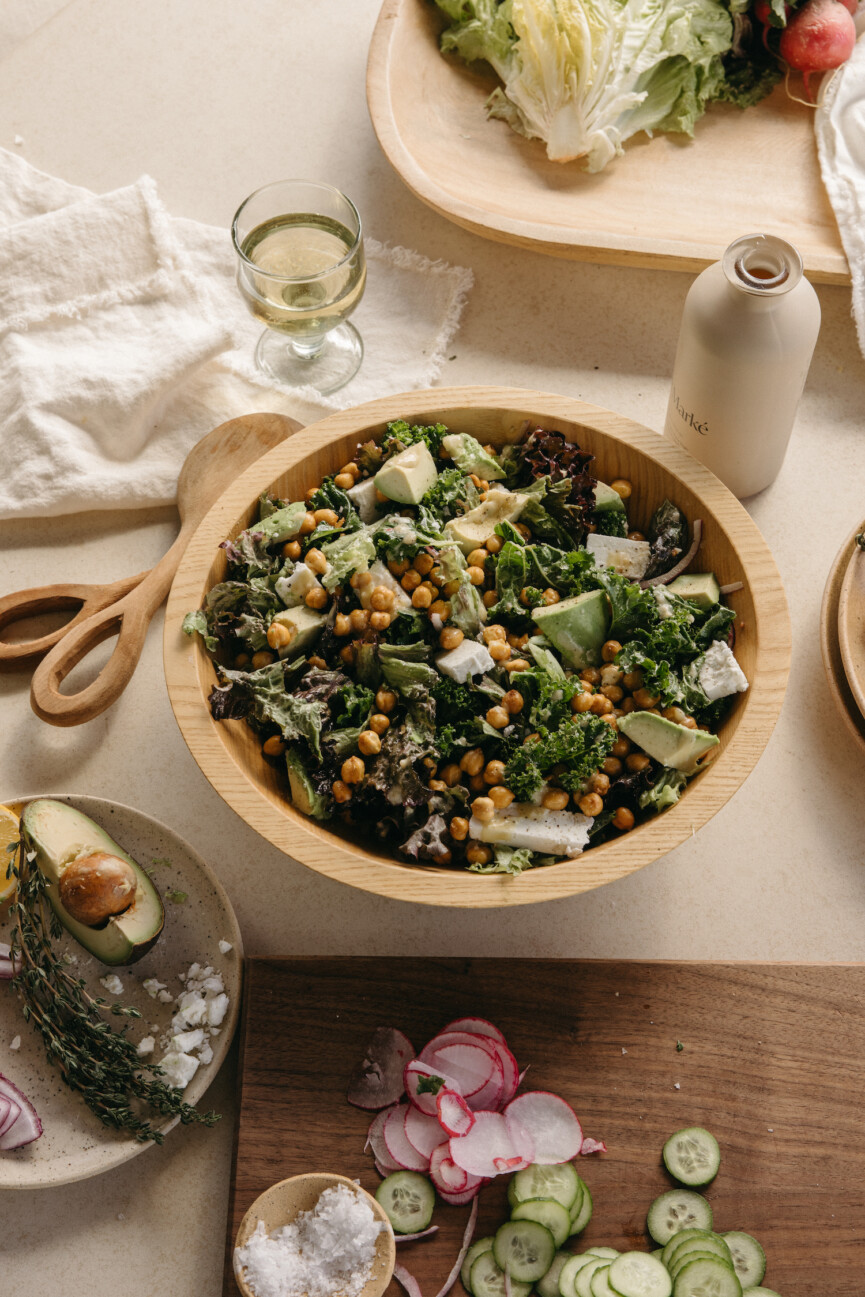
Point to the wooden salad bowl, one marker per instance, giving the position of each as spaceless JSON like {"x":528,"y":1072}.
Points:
{"x":229,"y":753}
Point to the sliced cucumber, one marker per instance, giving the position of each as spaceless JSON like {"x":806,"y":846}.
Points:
{"x":749,"y":1259}
{"x":488,"y":1279}
{"x":569,"y":1272}
{"x":677,"y":1266}
{"x":546,"y":1211}
{"x":560,"y":1182}
{"x":675,"y":1210}
{"x":524,"y":1249}
{"x":608,"y":1253}
{"x":759,"y":1292}
{"x":636,"y":1274}
{"x":584,"y":1215}
{"x":692,"y":1156}
{"x":583,"y":1281}
{"x":678,"y":1238}
{"x":710,"y":1245}
{"x":548,"y":1286}
{"x":599,"y":1285}
{"x":477,"y":1249}
{"x":408,"y":1200}
{"x":707,"y":1277}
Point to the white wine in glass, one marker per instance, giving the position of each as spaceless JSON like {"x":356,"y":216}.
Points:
{"x":301,"y":270}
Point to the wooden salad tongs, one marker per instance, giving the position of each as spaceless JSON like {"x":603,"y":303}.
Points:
{"x":124,"y":608}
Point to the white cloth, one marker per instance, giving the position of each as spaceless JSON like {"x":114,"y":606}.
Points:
{"x":124,"y":339}
{"x":839,"y":125}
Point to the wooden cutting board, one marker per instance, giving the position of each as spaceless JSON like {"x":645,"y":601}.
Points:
{"x":771,"y":1061}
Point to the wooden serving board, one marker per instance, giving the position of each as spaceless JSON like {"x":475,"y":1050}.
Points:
{"x":771,"y":1062}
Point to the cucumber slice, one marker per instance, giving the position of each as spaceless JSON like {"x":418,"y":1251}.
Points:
{"x":408,"y":1200}
{"x":581,"y":1220}
{"x":600,"y":1283}
{"x":608,"y":1253}
{"x":677,"y":1266}
{"x":759,"y":1292}
{"x":636,"y":1274}
{"x":548,"y":1286}
{"x":560,"y":1182}
{"x":524,"y":1249}
{"x":569,"y":1272}
{"x":692,"y":1156}
{"x":477,"y":1249}
{"x":749,"y":1259}
{"x":583,"y":1281}
{"x":678,"y":1209}
{"x":546,"y":1211}
{"x":707,"y":1245}
{"x":680,"y":1237}
{"x":707,"y":1277}
{"x":488,"y":1280}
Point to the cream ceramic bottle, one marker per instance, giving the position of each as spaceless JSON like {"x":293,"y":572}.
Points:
{"x":748,"y":332}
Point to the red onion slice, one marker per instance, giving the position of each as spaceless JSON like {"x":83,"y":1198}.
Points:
{"x":407,"y":1279}
{"x":26,"y":1127}
{"x":378,"y":1080}
{"x":664,"y":578}
{"x":412,"y":1238}
{"x":458,"y":1264}
{"x":732,"y":587}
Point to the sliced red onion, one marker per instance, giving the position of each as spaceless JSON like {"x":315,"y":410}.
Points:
{"x":422,"y":1132}
{"x":592,"y":1146}
{"x":509,"y":1291}
{"x":9,"y":967}
{"x":458,"y":1264}
{"x":8,"y":1113}
{"x":397,"y":1144}
{"x":475,"y":1027}
{"x":551,"y":1123}
{"x":732,"y":587}
{"x":407,"y":1280}
{"x":454,"y":1114}
{"x":378,"y":1081}
{"x":26,"y":1127}
{"x":411,"y":1238}
{"x":664,"y":578}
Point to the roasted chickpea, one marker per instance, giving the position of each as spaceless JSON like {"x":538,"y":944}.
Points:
{"x":478,"y":854}
{"x":450,"y":588}
{"x":358,"y":620}
{"x":316,"y":599}
{"x":550,"y":596}
{"x":476,"y":575}
{"x":451,"y":637}
{"x":633,"y":680}
{"x":612,"y":766}
{"x":499,"y":651}
{"x":637,"y":762}
{"x":500,"y":797}
{"x":437,"y":576}
{"x":291,"y":549}
{"x":493,"y":544}
{"x":440,"y":608}
{"x":494,"y":632}
{"x":478,"y":557}
{"x":274,"y":746}
{"x":555,"y":799}
{"x":424,"y":563}
{"x":483,"y":809}
{"x":352,"y":770}
{"x":643,"y":698}
{"x":591,"y":675}
{"x":315,"y":561}
{"x":326,"y":515}
{"x":421,"y":597}
{"x":478,"y":784}
{"x":494,"y":772}
{"x":601,"y":705}
{"x":341,"y":791}
{"x":307,"y":524}
{"x":369,"y":743}
{"x":347,"y":654}
{"x":622,"y":487}
{"x":316,"y":661}
{"x":582,"y":702}
{"x":524,"y":531}
{"x":513,"y":701}
{"x":591,"y":804}
{"x":345,"y":481}
{"x":398,"y":567}
{"x":599,"y":783}
{"x":498,"y":717}
{"x":636,"y":535}
{"x":341,"y":625}
{"x":379,"y":723}
{"x":380,"y":620}
{"x":351,"y":468}
{"x":410,"y":580}
{"x":459,"y":828}
{"x":489,"y":597}
{"x":614,"y":692}
{"x":452,"y":774}
{"x":261,"y":659}
{"x":621,"y":747}
{"x":611,"y":674}
{"x":517,"y":664}
{"x":241,"y":661}
{"x":278,"y":636}
{"x":385,"y":700}
{"x":623,"y":819}
{"x":437,"y":786}
{"x":472,"y":762}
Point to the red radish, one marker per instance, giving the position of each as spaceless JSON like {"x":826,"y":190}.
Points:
{"x":454,"y":1114}
{"x":592,"y":1146}
{"x":460,"y":1199}
{"x":422,"y":1132}
{"x":26,"y":1127}
{"x":550,"y":1122}
{"x":819,"y":36}
{"x":423,"y":1084}
{"x":475,"y":1027}
{"x":457,"y":1265}
{"x":522,"y":1140}
{"x":378,"y":1080}
{"x":375,"y":1139}
{"x":487,"y":1144}
{"x":398,"y":1145}
{"x":471,"y":1066}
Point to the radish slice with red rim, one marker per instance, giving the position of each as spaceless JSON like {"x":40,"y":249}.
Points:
{"x":445,"y":1174}
{"x":422,"y":1132}
{"x":551,"y":1124}
{"x":454,"y":1114}
{"x":378,"y":1080}
{"x":475,"y":1027}
{"x":468,"y":1235}
{"x":375,"y":1140}
{"x":423,"y":1083}
{"x":510,"y":1073}
{"x":592,"y":1146}
{"x":486,"y":1144}
{"x":476,"y":1070}
{"x":397,"y":1143}
{"x":460,"y":1199}
{"x":26,"y":1127}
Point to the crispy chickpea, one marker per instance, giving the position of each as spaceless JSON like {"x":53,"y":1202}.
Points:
{"x":345,"y":481}
{"x":380,"y":497}
{"x":622,"y":487}
{"x":421,"y":597}
{"x":398,"y":567}
{"x":556,"y":799}
{"x":278,"y":635}
{"x":437,"y":786}
{"x":525,"y":598}
{"x":451,"y":637}
{"x":623,"y":819}
{"x":311,"y":491}
{"x":478,"y":854}
{"x":241,"y":661}
{"x":582,"y":702}
{"x":601,"y":706}
{"x":274,"y":746}
{"x":385,"y":700}
{"x":513,"y":701}
{"x":291,"y":549}
{"x":382,"y":599}
{"x":636,"y":535}
{"x":643,"y":698}
{"x":261,"y":659}
{"x":483,"y":809}
{"x":478,"y":482}
{"x":379,"y":723}
{"x":499,"y":652}
{"x":358,"y":619}
{"x":352,"y":770}
{"x":472,"y":762}
{"x":610,"y":719}
{"x":362,"y":581}
{"x":614,"y":692}
{"x":494,"y":632}
{"x":369,"y":743}
{"x":478,"y":557}
{"x":674,"y":714}
{"x":500,"y":797}
{"x":478,"y":784}
{"x":430,"y":764}
{"x":424,"y":563}
{"x":611,"y":674}
{"x":621,"y":747}
{"x":489,"y":597}
{"x":591,"y":675}
{"x":628,"y":706}
{"x":476,"y":575}
{"x":341,"y":791}
{"x":450,"y":588}
{"x":633,"y":680}
{"x":352,"y":468}
{"x":591,"y":804}
{"x":517,"y":664}
{"x":440,"y":608}
{"x":307,"y":524}
{"x":326,"y":515}
{"x":689,"y":723}
{"x":612,"y":766}
{"x":437,"y":576}
{"x":347,"y":655}
{"x":380,"y":620}
{"x":524,"y":531}
{"x":493,"y":544}
{"x":459,"y":828}
{"x":410,"y":580}
{"x":550,"y":596}
{"x":316,"y":598}
{"x":452,"y":774}
{"x":494,"y":772}
{"x":341,"y":625}
{"x":637,"y":762}
{"x":599,"y":783}
{"x":498,"y":717}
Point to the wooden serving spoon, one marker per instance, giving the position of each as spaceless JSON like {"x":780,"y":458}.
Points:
{"x":209,"y":468}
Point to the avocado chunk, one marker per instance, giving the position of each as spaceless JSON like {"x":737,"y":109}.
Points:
{"x":304,"y":625}
{"x":408,"y":476}
{"x":69,"y":843}
{"x":607,"y":500}
{"x":282,"y":524}
{"x":472,"y":529}
{"x":701,"y":588}
{"x":303,"y":795}
{"x":470,"y":456}
{"x":577,"y":627}
{"x":673,"y":745}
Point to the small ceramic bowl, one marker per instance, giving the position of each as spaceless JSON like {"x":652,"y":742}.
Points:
{"x":282,"y":1202}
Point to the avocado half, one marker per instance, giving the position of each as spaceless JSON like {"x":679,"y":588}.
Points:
{"x":60,"y":835}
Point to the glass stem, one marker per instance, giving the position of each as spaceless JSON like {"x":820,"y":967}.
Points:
{"x":306,"y":348}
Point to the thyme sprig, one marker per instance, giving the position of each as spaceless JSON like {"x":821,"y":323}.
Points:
{"x":102,"y":1064}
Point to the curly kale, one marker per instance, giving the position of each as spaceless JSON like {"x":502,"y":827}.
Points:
{"x":452,"y":495}
{"x":399,"y":435}
{"x":583,"y":745}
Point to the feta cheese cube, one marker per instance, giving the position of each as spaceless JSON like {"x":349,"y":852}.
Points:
{"x":293,"y":589}
{"x":627,"y":557}
{"x":205,"y":1053}
{"x":152,"y":986}
{"x":468,"y":659}
{"x":555,"y":833}
{"x":363,"y":498}
{"x":146,"y":1045}
{"x":719,"y":673}
{"x":112,"y":984}
{"x":224,"y":947}
{"x":186,"y":1041}
{"x":179,"y":1069}
{"x":164,"y":997}
{"x":193,"y":1009}
{"x":216,"y":1010}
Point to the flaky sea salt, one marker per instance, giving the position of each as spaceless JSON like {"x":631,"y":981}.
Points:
{"x":327,"y":1251}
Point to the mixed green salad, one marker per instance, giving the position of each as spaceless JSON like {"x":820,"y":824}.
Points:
{"x":471,"y":656}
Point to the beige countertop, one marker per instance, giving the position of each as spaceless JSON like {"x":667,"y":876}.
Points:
{"x":214,"y":98}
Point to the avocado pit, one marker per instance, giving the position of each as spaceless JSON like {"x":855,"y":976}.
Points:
{"x":97,"y":886}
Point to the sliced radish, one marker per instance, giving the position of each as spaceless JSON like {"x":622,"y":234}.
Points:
{"x":522,"y":1141}
{"x":412,"y":1238}
{"x":378,"y":1081}
{"x":407,"y":1279}
{"x":406,"y":1155}
{"x":510,"y":1073}
{"x":460,"y":1199}
{"x":592,"y":1146}
{"x":476,"y":1027}
{"x":454,"y":1114}
{"x":551,"y":1124}
{"x":26,"y":1127}
{"x":385,"y":1171}
{"x":486,"y":1144}
{"x":422,"y":1132}
{"x":423,"y":1083}
{"x":445,"y":1174}
{"x":468,"y":1235}
{"x":474,"y":1068}
{"x":375,"y":1140}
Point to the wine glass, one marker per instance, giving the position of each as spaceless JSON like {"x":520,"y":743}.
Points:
{"x":301,"y":270}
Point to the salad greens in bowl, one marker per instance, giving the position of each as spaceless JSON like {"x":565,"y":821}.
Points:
{"x":480,"y":642}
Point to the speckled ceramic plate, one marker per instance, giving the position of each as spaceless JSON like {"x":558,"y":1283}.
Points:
{"x":74,"y":1143}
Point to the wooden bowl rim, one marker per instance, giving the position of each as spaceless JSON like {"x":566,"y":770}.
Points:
{"x":360,"y":866}
{"x":830,"y":648}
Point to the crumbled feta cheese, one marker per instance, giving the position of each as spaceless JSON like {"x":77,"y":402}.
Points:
{"x":293,"y":589}
{"x":214,"y":984}
{"x":16,"y":1043}
{"x":627,"y":557}
{"x":146,"y":1045}
{"x":557,"y":833}
{"x":225,"y":946}
{"x":179,"y":1069}
{"x":165,"y":997}
{"x":186,"y":1041}
{"x":112,"y":984}
{"x":362,"y":496}
{"x":468,"y":659}
{"x":153,"y":987}
{"x":192,"y":1010}
{"x":205,"y":1053}
{"x":216,"y":1010}
{"x":719,"y":673}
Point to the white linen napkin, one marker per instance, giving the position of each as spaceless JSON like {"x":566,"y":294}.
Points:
{"x":839,"y":125}
{"x":123,"y":340}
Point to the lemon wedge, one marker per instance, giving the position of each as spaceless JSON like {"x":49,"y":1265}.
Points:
{"x":10,"y":831}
